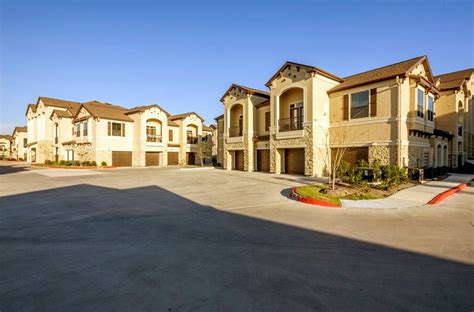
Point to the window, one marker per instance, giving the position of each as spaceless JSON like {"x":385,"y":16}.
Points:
{"x":78,"y":130}
{"x":151,"y":134}
{"x":296,"y":116}
{"x":25,"y":142}
{"x":170,"y":135}
{"x":116,"y":129}
{"x":420,"y":100}
{"x":459,"y":130}
{"x":426,"y":159}
{"x":430,"y":108}
{"x":267,"y":121}
{"x":85,"y":128}
{"x":360,"y":104}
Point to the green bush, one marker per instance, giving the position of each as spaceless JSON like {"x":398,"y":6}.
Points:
{"x":393,"y":175}
{"x":86,"y":163}
{"x":68,"y":163}
{"x":76,"y":163}
{"x":377,"y":170}
{"x":93,"y":163}
{"x":103,"y":164}
{"x":48,"y":162}
{"x":62,"y":162}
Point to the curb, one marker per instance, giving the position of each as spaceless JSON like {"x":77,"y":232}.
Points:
{"x":442,"y":196}
{"x":311,"y":201}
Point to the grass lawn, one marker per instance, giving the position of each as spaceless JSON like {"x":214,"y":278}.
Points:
{"x":314,"y":191}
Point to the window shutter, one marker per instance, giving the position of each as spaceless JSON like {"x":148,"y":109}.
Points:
{"x":346,"y":107}
{"x":123,"y":129}
{"x":170,"y":135}
{"x":109,"y":132}
{"x":373,"y":102}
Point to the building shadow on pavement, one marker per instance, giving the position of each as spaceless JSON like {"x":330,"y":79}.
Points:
{"x":90,"y":248}
{"x":7,"y":169}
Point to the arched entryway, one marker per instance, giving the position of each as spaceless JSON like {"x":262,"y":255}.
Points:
{"x":236,"y":120}
{"x":291,"y":110}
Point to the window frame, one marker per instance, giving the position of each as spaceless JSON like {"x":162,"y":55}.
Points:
{"x":420,"y":113}
{"x":430,"y":113}
{"x":368,"y":104}
{"x":85,"y":128}
{"x":78,"y":129}
{"x":119,"y":129}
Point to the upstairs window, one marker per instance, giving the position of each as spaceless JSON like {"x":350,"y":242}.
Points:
{"x":420,"y":102}
{"x":459,"y":130}
{"x":267,"y":121}
{"x":85,"y":128}
{"x":430,"y":108}
{"x":25,"y":142}
{"x":360,"y":104}
{"x":116,"y":129}
{"x":78,"y":130}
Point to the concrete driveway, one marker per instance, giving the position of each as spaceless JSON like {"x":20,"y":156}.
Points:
{"x":210,"y":240}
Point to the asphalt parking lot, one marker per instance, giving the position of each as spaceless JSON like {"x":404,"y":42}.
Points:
{"x":164,"y":239}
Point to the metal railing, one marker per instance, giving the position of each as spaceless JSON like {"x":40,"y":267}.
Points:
{"x":153,"y":138}
{"x":192,"y":140}
{"x":290,"y":124}
{"x":235,"y":131}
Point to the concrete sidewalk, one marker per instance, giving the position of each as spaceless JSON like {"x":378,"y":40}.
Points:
{"x":411,"y":197}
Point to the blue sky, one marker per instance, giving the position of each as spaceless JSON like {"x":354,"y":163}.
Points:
{"x":183,"y":55}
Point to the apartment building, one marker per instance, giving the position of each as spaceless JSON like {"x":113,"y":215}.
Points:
{"x":19,"y":148}
{"x":455,"y":113}
{"x":103,"y":132}
{"x":385,"y":114}
{"x":5,"y":146}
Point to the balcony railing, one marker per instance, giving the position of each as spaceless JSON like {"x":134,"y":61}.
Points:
{"x":235,"y":131}
{"x":153,"y":138}
{"x":290,"y":124}
{"x":192,"y":140}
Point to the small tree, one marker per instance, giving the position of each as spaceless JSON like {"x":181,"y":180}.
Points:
{"x":204,"y":149}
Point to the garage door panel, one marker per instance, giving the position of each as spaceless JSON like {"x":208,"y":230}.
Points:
{"x":121,"y":159}
{"x":173,"y":158}
{"x":294,"y":160}
{"x":263,"y":160}
{"x":152,"y":159}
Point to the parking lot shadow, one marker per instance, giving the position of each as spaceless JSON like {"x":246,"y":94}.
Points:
{"x":91,"y":248}
{"x":7,"y":169}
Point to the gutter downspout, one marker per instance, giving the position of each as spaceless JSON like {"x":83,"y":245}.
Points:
{"x":399,"y":107}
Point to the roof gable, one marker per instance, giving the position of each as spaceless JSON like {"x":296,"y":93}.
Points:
{"x":184,"y":115}
{"x":139,"y":109}
{"x":308,"y":68}
{"x":246,"y":90}
{"x":105,"y":110}
{"x":73,"y":107}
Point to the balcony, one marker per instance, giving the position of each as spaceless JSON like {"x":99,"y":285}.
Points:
{"x":153,"y":138}
{"x":235,"y":131}
{"x":290,"y":124}
{"x":192,"y":140}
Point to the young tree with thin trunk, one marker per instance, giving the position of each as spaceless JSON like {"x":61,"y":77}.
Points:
{"x":204,"y":149}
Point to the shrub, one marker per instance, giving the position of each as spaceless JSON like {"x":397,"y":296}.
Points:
{"x":68,"y":163}
{"x":377,"y":170}
{"x":48,"y":162}
{"x":21,"y":159}
{"x":393,"y":175}
{"x":62,"y":162}
{"x":86,"y":163}
{"x":93,"y":163}
{"x":76,"y":163}
{"x":103,"y":164}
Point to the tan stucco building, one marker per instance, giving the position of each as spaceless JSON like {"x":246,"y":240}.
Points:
{"x":455,"y":113}
{"x":101,"y":132}
{"x":5,"y":146}
{"x":385,"y":114}
{"x":19,"y":148}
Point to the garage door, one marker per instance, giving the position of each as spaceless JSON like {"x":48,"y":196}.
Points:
{"x":239,"y":160}
{"x":152,"y":159}
{"x":173,"y":158}
{"x":121,"y":159}
{"x":294,"y":160}
{"x":263,"y":160}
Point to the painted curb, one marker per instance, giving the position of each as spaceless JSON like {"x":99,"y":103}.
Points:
{"x":442,"y":196}
{"x":311,"y":201}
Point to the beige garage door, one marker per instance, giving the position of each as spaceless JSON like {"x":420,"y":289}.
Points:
{"x":263,"y":160}
{"x":152,"y":159}
{"x":294,"y":160}
{"x":173,"y":158}
{"x":121,"y":159}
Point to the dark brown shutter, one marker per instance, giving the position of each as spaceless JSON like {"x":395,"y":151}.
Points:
{"x":373,"y":102}
{"x":170,"y":135}
{"x":267,"y":121}
{"x":346,"y":107}
{"x":123,"y":129}
{"x":109,"y":126}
